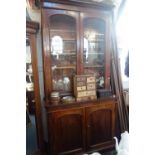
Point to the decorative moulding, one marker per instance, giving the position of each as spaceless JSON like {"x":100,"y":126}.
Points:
{"x":95,"y":2}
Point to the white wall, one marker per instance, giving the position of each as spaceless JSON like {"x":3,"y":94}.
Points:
{"x":122,"y":31}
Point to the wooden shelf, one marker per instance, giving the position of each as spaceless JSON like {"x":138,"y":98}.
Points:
{"x":97,"y":34}
{"x":94,"y":53}
{"x":64,"y":54}
{"x":93,"y":66}
{"x":66,"y":31}
{"x":69,"y":40}
{"x":70,"y":51}
{"x":95,"y":41}
{"x":64,"y":67}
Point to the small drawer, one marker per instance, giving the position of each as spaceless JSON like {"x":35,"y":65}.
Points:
{"x":81,"y":79}
{"x":89,"y":93}
{"x":79,"y":84}
{"x":90,"y":79}
{"x":81,"y":88}
{"x":91,"y":86}
{"x":81,"y":94}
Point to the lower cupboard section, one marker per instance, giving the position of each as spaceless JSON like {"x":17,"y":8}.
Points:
{"x":80,"y":129}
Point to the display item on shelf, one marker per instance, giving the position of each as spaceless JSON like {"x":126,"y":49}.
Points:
{"x":55,"y":98}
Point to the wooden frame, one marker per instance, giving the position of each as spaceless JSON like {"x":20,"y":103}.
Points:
{"x":88,"y":3}
{"x":60,"y":117}
{"x":83,"y":12}
{"x":31,"y":29}
{"x":46,"y":47}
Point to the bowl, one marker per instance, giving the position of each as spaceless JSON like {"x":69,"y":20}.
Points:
{"x":68,"y":99}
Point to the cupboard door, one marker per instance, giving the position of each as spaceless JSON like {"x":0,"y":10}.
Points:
{"x":62,"y":35}
{"x":100,"y":124}
{"x":95,"y":48}
{"x":68,"y":131}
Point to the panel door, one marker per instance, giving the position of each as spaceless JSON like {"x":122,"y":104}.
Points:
{"x":67,"y":131}
{"x":100,"y":125}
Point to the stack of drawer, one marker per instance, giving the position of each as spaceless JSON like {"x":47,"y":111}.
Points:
{"x":84,"y":87}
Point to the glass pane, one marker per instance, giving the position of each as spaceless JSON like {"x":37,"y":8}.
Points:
{"x":94,"y":46}
{"x":63,"y":51}
{"x":31,"y":135}
{"x":29,"y":71}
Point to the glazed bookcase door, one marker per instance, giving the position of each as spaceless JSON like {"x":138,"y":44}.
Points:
{"x":95,"y":56}
{"x":63,"y":51}
{"x":63,"y":36}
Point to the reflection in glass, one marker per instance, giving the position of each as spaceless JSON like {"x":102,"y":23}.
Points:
{"x":29,"y":72}
{"x":31,"y":136}
{"x":86,"y":49}
{"x":94,"y":33}
{"x":57,"y":45}
{"x":63,"y":51}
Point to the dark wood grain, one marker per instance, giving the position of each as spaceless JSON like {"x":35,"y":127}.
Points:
{"x":100,"y":132}
{"x":85,"y":128}
{"x":67,"y":127}
{"x":108,"y":53}
{"x":46,"y":55}
{"x":50,"y":107}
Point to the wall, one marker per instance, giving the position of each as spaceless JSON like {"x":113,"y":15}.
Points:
{"x":122,"y":32}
